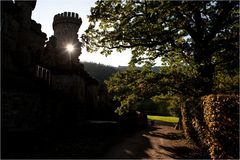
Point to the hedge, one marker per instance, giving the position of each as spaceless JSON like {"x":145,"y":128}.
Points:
{"x":213,"y":122}
{"x":221,"y":114}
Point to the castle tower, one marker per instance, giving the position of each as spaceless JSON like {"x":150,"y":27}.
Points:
{"x":66,"y":26}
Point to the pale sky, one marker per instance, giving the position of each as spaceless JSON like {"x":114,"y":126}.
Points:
{"x":45,"y":11}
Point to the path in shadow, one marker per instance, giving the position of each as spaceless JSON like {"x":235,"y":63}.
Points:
{"x":173,"y":144}
{"x":156,"y":142}
{"x":170,"y":136}
{"x":133,"y":146}
{"x":100,"y":141}
{"x":183,"y":152}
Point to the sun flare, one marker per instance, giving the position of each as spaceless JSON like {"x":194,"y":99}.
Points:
{"x":70,"y":48}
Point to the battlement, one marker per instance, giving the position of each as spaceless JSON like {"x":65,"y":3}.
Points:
{"x":31,"y":3}
{"x":67,"y":17}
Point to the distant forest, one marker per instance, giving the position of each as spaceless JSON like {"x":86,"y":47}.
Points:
{"x":102,"y":72}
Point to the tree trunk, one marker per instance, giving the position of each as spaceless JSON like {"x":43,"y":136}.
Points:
{"x":205,"y":69}
{"x":205,"y":79}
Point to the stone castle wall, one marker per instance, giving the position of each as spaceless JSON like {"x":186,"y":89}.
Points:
{"x":30,"y":102}
{"x":19,"y":110}
{"x":73,"y":84}
{"x":21,"y":37}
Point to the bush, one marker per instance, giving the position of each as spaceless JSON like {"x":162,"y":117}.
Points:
{"x":174,"y":108}
{"x":191,"y":118}
{"x":221,"y":114}
{"x":212,"y":122}
{"x":162,"y":108}
{"x":147,"y":106}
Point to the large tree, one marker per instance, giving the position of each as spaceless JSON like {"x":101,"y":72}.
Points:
{"x":203,"y":35}
{"x":139,"y":85}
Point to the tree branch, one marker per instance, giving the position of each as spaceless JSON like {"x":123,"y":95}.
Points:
{"x":219,"y":22}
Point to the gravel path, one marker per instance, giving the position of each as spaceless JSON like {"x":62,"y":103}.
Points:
{"x":157,"y":142}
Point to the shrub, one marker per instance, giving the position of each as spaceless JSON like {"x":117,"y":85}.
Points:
{"x":213,"y":122}
{"x":221,"y":114}
{"x":191,"y":111}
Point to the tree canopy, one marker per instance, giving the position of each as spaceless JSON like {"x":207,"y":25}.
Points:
{"x":204,"y":34}
{"x":198,"y":42}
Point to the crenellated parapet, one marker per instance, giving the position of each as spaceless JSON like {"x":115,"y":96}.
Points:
{"x":31,"y":3}
{"x":67,"y":17}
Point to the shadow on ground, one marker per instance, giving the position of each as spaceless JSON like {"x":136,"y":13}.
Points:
{"x":169,"y":136}
{"x":133,"y":146}
{"x":92,"y":141}
{"x":183,"y":152}
{"x":155,"y":142}
{"x":89,"y":141}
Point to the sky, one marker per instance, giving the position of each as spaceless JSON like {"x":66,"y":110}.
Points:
{"x":45,"y":11}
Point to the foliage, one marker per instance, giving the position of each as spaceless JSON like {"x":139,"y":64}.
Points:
{"x":174,"y":108}
{"x":147,"y":106}
{"x":162,"y":108}
{"x":167,"y":105}
{"x":129,"y":87}
{"x":157,"y":107}
{"x":193,"y":122}
{"x":221,"y":113}
{"x":203,"y":35}
{"x":212,"y":122}
{"x":226,"y":82}
{"x":136,"y":88}
{"x":164,"y":118}
{"x":102,"y":72}
{"x":196,"y":41}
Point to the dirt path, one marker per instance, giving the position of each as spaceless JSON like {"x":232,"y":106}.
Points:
{"x":158,"y":142}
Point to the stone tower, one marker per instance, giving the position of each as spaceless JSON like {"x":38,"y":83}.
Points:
{"x":66,"y":26}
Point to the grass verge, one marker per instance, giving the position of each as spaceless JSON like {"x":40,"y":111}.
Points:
{"x":164,"y":118}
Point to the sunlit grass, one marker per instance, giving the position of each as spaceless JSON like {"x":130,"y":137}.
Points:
{"x":164,"y":118}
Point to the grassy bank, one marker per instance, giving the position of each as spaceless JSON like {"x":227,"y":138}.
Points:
{"x":164,"y":118}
